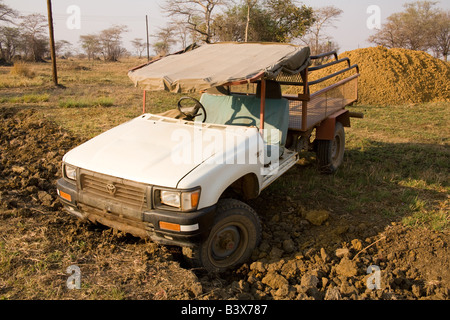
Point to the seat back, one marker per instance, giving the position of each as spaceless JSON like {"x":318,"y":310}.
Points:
{"x":241,"y":110}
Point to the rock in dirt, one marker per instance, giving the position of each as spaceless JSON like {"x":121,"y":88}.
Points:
{"x":357,"y":244}
{"x":323,"y":254}
{"x":346,"y":268}
{"x":275,"y":253}
{"x":258,"y":266}
{"x":339,"y":230}
{"x":288,"y":246}
{"x":275,"y":281}
{"x":289,"y":269}
{"x":309,"y":281}
{"x":348,"y":289}
{"x":317,"y":217}
{"x":333,"y":294}
{"x":342,"y":252}
{"x":45,"y":198}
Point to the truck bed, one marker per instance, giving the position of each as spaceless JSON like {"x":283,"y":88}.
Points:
{"x":318,"y":110}
{"x":322,"y":104}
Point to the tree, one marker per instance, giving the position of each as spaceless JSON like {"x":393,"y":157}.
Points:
{"x":231,"y":25}
{"x":391,"y":34}
{"x":10,"y":42}
{"x":197,"y":14}
{"x":111,"y":42}
{"x":62,"y":47}
{"x":420,"y":26}
{"x":250,"y":4}
{"x":6,"y":13}
{"x":441,"y":35}
{"x":315,"y":38}
{"x":164,"y":41}
{"x":34,"y":30}
{"x":290,"y":21}
{"x":269,"y":21}
{"x":417,"y":22}
{"x":107,"y":42}
{"x":91,"y":45}
{"x":183,"y":33}
{"x":139,"y":46}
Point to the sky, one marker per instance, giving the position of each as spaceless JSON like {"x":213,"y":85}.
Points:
{"x":351,"y":30}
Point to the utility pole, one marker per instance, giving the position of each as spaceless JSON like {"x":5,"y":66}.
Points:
{"x":52,"y":42}
{"x":148,"y":48}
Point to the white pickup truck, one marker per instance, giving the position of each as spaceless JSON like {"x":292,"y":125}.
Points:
{"x":182,"y":178}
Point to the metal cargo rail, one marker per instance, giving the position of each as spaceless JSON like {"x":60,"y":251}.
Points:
{"x":308,"y":110}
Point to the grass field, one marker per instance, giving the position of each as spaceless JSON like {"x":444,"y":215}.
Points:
{"x":397,"y":161}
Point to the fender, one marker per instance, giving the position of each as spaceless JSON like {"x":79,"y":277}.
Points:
{"x":325,"y":131}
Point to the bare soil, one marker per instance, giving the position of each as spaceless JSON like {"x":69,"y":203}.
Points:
{"x":304,"y":254}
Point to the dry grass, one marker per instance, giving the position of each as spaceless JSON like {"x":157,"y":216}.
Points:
{"x":22,"y":69}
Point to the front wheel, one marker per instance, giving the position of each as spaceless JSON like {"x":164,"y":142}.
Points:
{"x":330,"y":154}
{"x":234,"y":236}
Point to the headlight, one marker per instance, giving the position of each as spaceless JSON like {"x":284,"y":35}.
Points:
{"x":183,"y":200}
{"x":70,"y":172}
{"x":171,"y":198}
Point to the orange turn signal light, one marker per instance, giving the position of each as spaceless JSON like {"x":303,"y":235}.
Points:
{"x":194,"y":199}
{"x":169,"y":226}
{"x":65,"y":196}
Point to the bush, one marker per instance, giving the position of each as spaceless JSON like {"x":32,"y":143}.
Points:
{"x":22,"y":69}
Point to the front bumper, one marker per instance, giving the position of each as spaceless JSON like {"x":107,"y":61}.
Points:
{"x":144,"y":223}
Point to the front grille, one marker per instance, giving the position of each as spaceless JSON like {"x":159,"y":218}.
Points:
{"x":127,"y":192}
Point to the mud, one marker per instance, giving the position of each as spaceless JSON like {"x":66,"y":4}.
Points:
{"x":303,"y":254}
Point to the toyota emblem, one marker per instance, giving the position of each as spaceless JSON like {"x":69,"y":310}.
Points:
{"x":111,"y":188}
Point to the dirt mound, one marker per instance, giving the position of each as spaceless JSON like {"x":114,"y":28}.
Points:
{"x":317,"y":274}
{"x":30,"y":160}
{"x":301,"y":260}
{"x":399,"y":76}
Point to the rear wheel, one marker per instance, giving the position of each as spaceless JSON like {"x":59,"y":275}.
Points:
{"x":234,"y":236}
{"x":330,"y":153}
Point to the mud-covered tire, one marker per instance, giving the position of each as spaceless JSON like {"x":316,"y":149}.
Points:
{"x":330,"y":154}
{"x":235,"y":234}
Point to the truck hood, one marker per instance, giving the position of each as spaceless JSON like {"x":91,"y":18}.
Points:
{"x":152,"y":149}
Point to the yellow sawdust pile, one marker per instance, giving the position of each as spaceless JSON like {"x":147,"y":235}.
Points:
{"x":399,"y":76}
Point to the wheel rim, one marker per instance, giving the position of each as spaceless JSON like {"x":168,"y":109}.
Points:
{"x":225,"y":242}
{"x":228,"y":244}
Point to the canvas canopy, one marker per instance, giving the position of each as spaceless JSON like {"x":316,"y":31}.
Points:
{"x":213,"y":65}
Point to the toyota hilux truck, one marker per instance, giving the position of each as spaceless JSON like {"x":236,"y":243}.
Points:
{"x":182,"y":178}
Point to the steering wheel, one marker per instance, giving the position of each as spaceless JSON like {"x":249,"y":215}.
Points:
{"x":191,"y":112}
